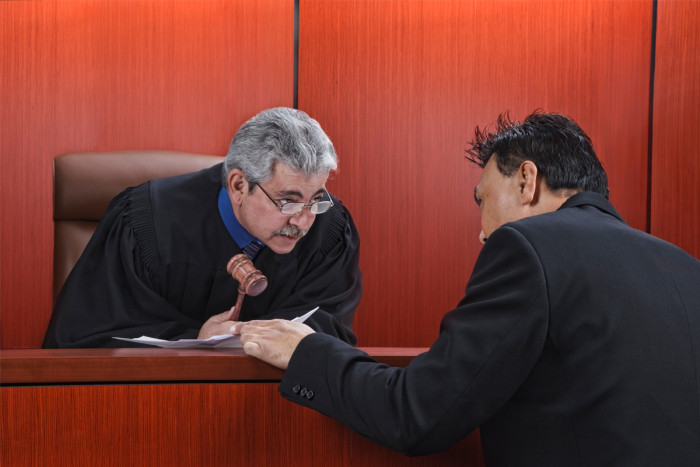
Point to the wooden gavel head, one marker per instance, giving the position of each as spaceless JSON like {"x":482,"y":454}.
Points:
{"x":250,"y":280}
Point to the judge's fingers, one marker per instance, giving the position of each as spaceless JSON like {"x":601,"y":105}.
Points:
{"x":214,"y":327}
{"x":219,"y":318}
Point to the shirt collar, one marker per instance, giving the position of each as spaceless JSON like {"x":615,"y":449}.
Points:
{"x":238,"y":233}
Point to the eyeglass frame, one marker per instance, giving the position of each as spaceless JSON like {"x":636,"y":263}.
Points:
{"x":309,"y":206}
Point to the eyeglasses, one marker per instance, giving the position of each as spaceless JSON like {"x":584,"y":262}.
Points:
{"x":292,"y":209}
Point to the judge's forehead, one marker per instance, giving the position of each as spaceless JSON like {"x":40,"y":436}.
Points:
{"x":283,"y":174}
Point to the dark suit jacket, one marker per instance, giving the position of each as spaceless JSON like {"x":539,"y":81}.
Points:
{"x":577,"y":343}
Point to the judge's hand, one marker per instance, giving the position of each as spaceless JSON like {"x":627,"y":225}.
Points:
{"x":272,"y":341}
{"x":217,"y":325}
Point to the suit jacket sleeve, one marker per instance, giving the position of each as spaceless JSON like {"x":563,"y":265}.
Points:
{"x":485,"y":350}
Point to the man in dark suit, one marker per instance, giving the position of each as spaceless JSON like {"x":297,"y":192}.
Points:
{"x":577,"y":341}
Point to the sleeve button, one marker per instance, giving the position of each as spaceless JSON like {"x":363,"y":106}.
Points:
{"x":296,"y":389}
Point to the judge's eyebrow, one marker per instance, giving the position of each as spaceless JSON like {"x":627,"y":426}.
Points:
{"x":292,"y":193}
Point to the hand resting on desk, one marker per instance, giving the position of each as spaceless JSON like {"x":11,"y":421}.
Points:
{"x":217,"y":325}
{"x":272,"y":341}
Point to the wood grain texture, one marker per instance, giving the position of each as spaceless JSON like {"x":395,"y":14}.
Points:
{"x":675,"y":181}
{"x":186,"y":425}
{"x":400,"y":85}
{"x":191,"y":421}
{"x":112,"y":75}
{"x":79,"y":366}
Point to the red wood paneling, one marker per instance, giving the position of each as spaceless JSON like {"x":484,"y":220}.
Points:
{"x":110,"y":75}
{"x":81,"y":366}
{"x":675,"y":181}
{"x":399,"y":87}
{"x":186,"y":425}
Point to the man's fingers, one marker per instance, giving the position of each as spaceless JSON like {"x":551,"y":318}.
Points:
{"x":246,"y":326}
{"x":271,"y":341}
{"x":252,"y":348}
{"x":255,"y":349}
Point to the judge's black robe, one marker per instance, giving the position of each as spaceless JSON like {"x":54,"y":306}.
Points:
{"x":156,"y":266}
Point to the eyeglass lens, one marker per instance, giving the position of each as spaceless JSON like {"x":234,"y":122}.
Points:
{"x":291,"y":209}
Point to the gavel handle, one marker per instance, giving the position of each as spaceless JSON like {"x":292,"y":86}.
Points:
{"x":236,"y":310}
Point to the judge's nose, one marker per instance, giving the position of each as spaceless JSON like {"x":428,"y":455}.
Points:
{"x":482,"y":237}
{"x":303,"y":220}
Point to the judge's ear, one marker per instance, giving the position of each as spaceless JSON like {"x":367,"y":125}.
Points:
{"x":528,"y":182}
{"x":237,"y":186}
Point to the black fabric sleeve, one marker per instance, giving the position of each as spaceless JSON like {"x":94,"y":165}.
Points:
{"x":485,"y":350}
{"x":112,"y":290}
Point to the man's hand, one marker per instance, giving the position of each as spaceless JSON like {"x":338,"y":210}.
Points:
{"x":272,"y":341}
{"x":217,"y":325}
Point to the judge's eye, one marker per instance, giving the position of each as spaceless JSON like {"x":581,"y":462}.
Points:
{"x":285,"y":201}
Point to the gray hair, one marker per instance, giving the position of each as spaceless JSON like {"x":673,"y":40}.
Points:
{"x":283,"y":135}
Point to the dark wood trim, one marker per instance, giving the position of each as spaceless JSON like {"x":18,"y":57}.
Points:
{"x":80,"y":366}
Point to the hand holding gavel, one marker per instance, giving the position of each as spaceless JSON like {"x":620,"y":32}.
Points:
{"x":250,"y":281}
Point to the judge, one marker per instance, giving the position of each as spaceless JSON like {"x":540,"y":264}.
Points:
{"x":577,"y":341}
{"x":156,"y":265}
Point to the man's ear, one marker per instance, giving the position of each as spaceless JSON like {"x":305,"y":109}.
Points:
{"x":237,"y":186}
{"x":527,"y":182}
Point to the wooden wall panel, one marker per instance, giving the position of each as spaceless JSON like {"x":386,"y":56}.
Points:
{"x":186,"y":425}
{"x":111,"y":75}
{"x":675,"y":181}
{"x":400,"y":85}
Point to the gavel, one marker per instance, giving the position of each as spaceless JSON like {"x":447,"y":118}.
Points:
{"x":250,"y":281}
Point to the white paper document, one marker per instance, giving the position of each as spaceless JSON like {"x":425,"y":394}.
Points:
{"x":226,"y":341}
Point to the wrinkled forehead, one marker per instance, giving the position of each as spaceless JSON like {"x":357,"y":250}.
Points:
{"x":280,"y":170}
{"x":288,"y":179}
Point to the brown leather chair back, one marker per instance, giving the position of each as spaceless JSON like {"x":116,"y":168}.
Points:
{"x":85,"y":183}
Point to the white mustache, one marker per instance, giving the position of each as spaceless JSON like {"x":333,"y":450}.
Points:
{"x":291,"y":231}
